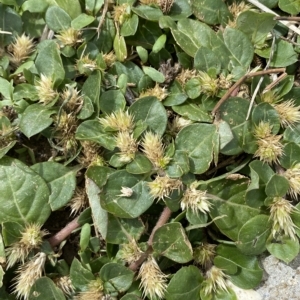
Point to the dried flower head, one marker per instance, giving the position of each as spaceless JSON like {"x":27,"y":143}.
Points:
{"x":126,"y":192}
{"x":91,"y":154}
{"x":127,"y":145}
{"x":162,"y":187}
{"x":209,"y":85}
{"x":121,"y":13}
{"x":269,"y":97}
{"x":293,"y":176}
{"x":215,"y":280}
{"x":280,"y":215}
{"x":225,"y":82}
{"x":288,"y":112}
{"x":66,"y":125}
{"x":158,"y":92}
{"x":196,"y":200}
{"x":269,"y":149}
{"x":149,"y":2}
{"x":118,"y":121}
{"x":28,"y":274}
{"x":45,"y":90}
{"x":79,"y":201}
{"x":69,"y":37}
{"x":262,"y":130}
{"x":130,"y":252}
{"x":20,"y":49}
{"x":109,"y":58}
{"x":72,"y":100}
{"x":177,"y":124}
{"x":204,"y":254}
{"x":153,"y":280}
{"x":237,"y":8}
{"x":94,"y":291}
{"x":31,"y":238}
{"x":65,"y":284}
{"x":85,"y":65}
{"x":165,"y":5}
{"x":185,"y":75}
{"x":154,"y":150}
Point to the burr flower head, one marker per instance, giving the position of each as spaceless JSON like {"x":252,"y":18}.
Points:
{"x":130,"y":252}
{"x":204,"y":254}
{"x":289,"y":113}
{"x":281,"y":210}
{"x":293,"y":177}
{"x":215,"y":280}
{"x":118,"y":121}
{"x":208,"y":84}
{"x":127,"y":145}
{"x":153,"y":280}
{"x":69,"y":37}
{"x":158,"y":92}
{"x":45,"y":90}
{"x":65,"y":284}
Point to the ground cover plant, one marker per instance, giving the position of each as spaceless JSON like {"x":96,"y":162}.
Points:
{"x":148,"y":149}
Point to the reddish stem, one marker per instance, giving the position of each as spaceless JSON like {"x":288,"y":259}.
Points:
{"x":63,"y":233}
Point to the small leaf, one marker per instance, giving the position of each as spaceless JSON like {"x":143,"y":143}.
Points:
{"x":159,"y":44}
{"x":120,"y":48}
{"x":290,"y":6}
{"x":291,"y":155}
{"x":35,"y":119}
{"x":171,"y":241}
{"x":112,"y":101}
{"x":82,"y":21}
{"x":57,"y":19}
{"x":140,"y":165}
{"x":148,"y":12}
{"x":130,"y":26}
{"x":277,"y":186}
{"x":179,"y":165}
{"x":85,"y":235}
{"x":154,"y":74}
{"x":143,"y":54}
{"x":79,"y":275}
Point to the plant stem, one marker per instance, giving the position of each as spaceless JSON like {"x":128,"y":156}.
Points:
{"x":63,"y":233}
{"x":105,"y":8}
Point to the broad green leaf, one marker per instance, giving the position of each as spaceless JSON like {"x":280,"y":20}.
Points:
{"x":116,"y":278}
{"x":286,"y":249}
{"x":49,"y":63}
{"x":112,"y":101}
{"x":35,"y":119}
{"x":179,"y":165}
{"x":61,"y":181}
{"x":261,"y":25}
{"x":71,"y":6}
{"x":82,"y":21}
{"x":120,"y":48}
{"x":151,"y":112}
{"x":290,"y":6}
{"x":121,"y":206}
{"x":176,"y":95}
{"x":57,"y":19}
{"x":11,"y":232}
{"x":277,"y":186}
{"x":35,"y":6}
{"x":91,"y":89}
{"x":99,"y":174}
{"x":130,"y":25}
{"x":253,"y":235}
{"x":140,"y":165}
{"x":45,"y":289}
{"x":24,"y":194}
{"x":230,"y":204}
{"x":33,"y":24}
{"x":171,"y":241}
{"x":291,"y":155}
{"x":154,"y":74}
{"x":79,"y":275}
{"x":186,"y":283}
{"x":91,"y":130}
{"x":119,"y":231}
{"x":248,"y":274}
{"x":6,"y":89}
{"x":211,"y":12}
{"x":197,"y":140}
{"x":100,"y":218}
{"x":26,"y":91}
{"x":192,"y":111}
{"x":148,"y":12}
{"x":205,"y":60}
{"x":180,"y":9}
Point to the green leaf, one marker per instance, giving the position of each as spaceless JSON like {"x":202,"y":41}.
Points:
{"x":253,"y":235}
{"x":119,"y":231}
{"x":185,"y":284}
{"x":24,"y":194}
{"x":11,"y":232}
{"x":45,"y":289}
{"x":112,"y":101}
{"x":159,"y":44}
{"x":211,"y":12}
{"x":261,"y":25}
{"x":61,"y":181}
{"x":277,"y":186}
{"x":290,"y":6}
{"x":205,"y":60}
{"x":6,"y":89}
{"x":171,"y":241}
{"x":291,"y":155}
{"x":130,"y":26}
{"x":154,"y":74}
{"x":179,"y":165}
{"x":120,"y":48}
{"x":231,"y":203}
{"x":143,"y":53}
{"x":180,"y":9}
{"x":151,"y":112}
{"x":49,"y":63}
{"x":99,"y":174}
{"x":100,"y":218}
{"x":79,"y":275}
{"x":148,"y":12}
{"x":35,"y":6}
{"x":71,"y":6}
{"x":116,"y":278}
{"x":57,"y":19}
{"x":285,"y":250}
{"x":26,"y":91}
{"x":140,"y":165}
{"x":82,"y":21}
{"x":197,"y":140}
{"x":126,"y":207}
{"x":248,"y":274}
{"x":85,"y":235}
{"x":35,"y":119}
{"x":91,"y":130}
